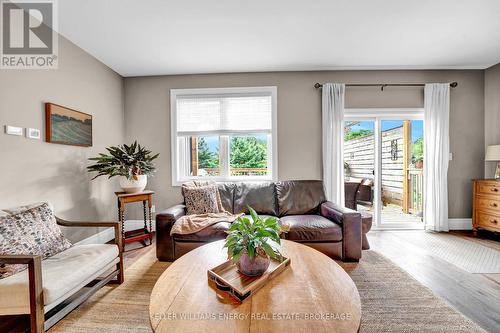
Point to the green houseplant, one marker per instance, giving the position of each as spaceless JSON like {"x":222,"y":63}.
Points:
{"x":132,"y":163}
{"x":249,"y":243}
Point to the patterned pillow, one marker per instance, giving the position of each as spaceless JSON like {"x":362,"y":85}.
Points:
{"x":23,"y":208}
{"x":33,"y":231}
{"x":201,"y":200}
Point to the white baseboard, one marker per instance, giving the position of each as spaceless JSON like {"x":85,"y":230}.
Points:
{"x":460,"y":224}
{"x":108,"y":234}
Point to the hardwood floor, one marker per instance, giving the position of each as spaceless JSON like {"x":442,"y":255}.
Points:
{"x":477,"y":296}
{"x":135,"y":251}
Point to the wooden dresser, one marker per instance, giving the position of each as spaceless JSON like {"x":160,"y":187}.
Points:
{"x":486,"y":205}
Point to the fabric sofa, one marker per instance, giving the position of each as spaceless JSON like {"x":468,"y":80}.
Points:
{"x":334,"y":230}
{"x":50,"y":288}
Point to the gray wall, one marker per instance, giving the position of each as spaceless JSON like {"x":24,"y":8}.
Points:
{"x":33,"y":170}
{"x":491,"y":113}
{"x":147,"y":119}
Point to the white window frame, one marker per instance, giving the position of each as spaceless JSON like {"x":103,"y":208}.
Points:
{"x":272,"y":161}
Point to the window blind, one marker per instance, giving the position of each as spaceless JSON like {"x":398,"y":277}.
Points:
{"x":224,"y":114}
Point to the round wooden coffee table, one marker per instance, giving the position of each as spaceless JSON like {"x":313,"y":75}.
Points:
{"x":313,"y":295}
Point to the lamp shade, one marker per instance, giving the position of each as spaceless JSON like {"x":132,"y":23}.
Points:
{"x":493,"y":153}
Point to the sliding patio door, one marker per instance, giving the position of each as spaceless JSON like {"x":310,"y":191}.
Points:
{"x":359,"y":164}
{"x":383,"y":162}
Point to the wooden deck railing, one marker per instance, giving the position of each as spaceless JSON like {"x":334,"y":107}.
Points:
{"x":238,"y":171}
{"x":416,"y":189}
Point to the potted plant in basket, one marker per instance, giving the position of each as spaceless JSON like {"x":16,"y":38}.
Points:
{"x":133,"y":164}
{"x":249,"y":243}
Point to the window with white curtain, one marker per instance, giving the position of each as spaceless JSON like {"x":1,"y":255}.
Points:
{"x":224,"y":134}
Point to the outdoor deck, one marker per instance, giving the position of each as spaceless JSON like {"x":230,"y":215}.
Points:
{"x":392,"y":214}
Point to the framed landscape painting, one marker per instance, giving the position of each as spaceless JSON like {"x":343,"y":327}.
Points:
{"x":66,"y":126}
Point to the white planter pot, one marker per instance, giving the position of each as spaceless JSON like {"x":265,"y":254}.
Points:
{"x":133,"y":186}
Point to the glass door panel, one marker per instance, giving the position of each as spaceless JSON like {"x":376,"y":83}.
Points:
{"x":401,"y":169}
{"x":359,"y":165}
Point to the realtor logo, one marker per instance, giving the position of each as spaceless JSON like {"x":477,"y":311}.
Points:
{"x":28,"y":36}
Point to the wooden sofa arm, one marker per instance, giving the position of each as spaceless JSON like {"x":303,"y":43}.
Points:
{"x":87,"y":223}
{"x":16,"y":259}
{"x":34,"y":262}
{"x":106,"y":224}
{"x":98,"y":224}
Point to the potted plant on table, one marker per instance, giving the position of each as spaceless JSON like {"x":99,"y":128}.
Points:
{"x":132,"y":163}
{"x":249,"y":243}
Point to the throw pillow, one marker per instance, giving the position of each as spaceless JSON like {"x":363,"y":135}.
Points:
{"x":204,"y":183}
{"x":201,"y":200}
{"x":23,"y":208}
{"x":33,"y":231}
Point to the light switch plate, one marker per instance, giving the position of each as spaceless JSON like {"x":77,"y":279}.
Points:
{"x":13,"y":130}
{"x":33,"y":133}
{"x":450,"y":156}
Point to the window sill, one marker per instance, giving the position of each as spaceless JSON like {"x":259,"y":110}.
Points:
{"x":225,"y":180}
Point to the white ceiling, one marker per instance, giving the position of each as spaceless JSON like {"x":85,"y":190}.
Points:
{"x":154,"y":37}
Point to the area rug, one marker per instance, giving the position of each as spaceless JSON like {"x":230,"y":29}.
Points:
{"x":392,"y":301}
{"x":118,"y":308}
{"x":468,"y":255}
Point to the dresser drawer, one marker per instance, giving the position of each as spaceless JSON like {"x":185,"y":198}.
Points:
{"x":489,"y":204}
{"x":489,"y":187}
{"x":488,"y":220}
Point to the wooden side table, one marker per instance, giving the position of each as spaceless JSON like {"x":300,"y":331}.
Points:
{"x":139,"y":234}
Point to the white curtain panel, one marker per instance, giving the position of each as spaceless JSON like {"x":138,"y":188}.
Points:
{"x":333,"y":136}
{"x":436,"y":150}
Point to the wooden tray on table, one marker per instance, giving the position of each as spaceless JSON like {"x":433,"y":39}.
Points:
{"x":227,"y":278}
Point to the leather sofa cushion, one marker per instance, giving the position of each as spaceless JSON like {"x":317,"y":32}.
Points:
{"x":298,"y":197}
{"x":260,"y":196}
{"x":311,"y":228}
{"x":209,"y":234}
{"x":226,"y":191}
{"x":262,"y":216}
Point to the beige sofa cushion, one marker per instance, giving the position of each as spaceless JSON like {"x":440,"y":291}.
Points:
{"x":62,"y":275}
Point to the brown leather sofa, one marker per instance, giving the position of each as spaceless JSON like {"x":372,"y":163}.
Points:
{"x":301,"y":204}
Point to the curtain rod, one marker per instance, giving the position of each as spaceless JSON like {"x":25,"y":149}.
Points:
{"x":383,"y":85}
